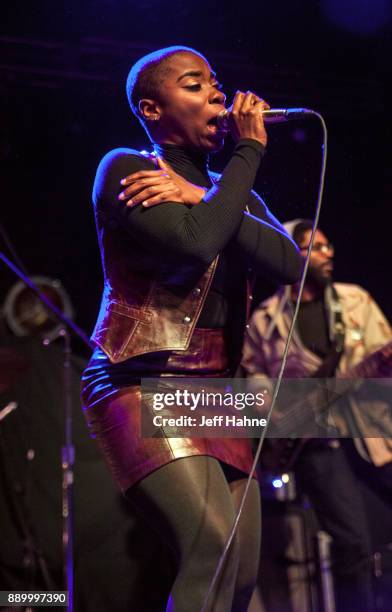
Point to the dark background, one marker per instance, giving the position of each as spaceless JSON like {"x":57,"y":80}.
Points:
{"x":63,"y":106}
{"x":63,"y":67}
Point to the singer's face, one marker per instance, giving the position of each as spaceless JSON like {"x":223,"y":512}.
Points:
{"x":321,"y":258}
{"x":189,"y":102}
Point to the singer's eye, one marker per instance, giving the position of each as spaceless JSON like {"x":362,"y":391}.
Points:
{"x":194,"y":87}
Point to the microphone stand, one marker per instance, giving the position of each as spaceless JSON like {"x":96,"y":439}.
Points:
{"x":68,"y":451}
{"x":32,"y":553}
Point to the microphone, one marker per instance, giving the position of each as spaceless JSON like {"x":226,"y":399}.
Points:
{"x":273,"y":115}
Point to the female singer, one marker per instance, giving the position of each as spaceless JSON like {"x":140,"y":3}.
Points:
{"x":177,"y":245}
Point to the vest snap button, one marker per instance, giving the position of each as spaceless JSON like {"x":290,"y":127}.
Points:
{"x":187,"y":319}
{"x":196,"y":291}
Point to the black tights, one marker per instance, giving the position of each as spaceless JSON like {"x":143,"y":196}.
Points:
{"x":192,"y":504}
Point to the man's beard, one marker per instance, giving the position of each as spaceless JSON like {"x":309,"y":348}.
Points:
{"x":318,"y":278}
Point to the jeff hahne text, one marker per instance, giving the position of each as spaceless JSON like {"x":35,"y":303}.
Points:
{"x":183,"y":399}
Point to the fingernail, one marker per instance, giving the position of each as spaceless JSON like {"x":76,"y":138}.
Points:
{"x":121,"y":196}
{"x":123,"y":181}
{"x":145,"y":204}
{"x":130,"y":202}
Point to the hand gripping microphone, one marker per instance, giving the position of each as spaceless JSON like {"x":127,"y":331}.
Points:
{"x":273,"y":115}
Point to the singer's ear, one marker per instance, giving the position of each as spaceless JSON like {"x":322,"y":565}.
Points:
{"x":149,"y":110}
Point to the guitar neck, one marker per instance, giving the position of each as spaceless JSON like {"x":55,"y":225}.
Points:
{"x":303,"y":411}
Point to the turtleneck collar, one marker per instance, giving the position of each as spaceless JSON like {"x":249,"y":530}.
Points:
{"x":192,"y":165}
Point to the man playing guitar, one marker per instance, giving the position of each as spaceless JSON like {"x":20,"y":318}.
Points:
{"x":338,"y":329}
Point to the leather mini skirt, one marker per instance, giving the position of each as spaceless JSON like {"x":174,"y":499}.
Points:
{"x":111,"y":397}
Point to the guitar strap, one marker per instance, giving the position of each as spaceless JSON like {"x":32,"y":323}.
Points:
{"x":327,"y":369}
{"x":337,"y":329}
{"x":284,"y":453}
{"x":337,"y":332}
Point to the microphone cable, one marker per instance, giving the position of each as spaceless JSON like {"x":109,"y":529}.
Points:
{"x":282,"y":365}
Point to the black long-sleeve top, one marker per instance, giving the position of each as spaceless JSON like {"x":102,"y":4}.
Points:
{"x":218,"y":224}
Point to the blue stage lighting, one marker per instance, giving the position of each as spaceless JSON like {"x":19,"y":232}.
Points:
{"x":277,"y":483}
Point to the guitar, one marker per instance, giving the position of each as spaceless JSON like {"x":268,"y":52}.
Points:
{"x":281,"y":453}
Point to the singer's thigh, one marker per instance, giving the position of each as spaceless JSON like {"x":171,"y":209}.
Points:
{"x":189,"y":503}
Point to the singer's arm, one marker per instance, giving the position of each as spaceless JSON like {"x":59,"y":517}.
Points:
{"x":265,"y":244}
{"x":202,"y":230}
{"x":170,"y":230}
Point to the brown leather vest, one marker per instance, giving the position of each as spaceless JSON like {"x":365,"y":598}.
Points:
{"x":146,"y":306}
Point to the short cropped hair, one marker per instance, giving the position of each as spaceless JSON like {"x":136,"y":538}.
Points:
{"x":300,"y":229}
{"x":146,"y":76}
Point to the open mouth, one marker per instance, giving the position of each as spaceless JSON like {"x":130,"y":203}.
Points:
{"x":212,"y":125}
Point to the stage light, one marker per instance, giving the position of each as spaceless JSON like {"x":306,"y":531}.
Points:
{"x":277,"y":483}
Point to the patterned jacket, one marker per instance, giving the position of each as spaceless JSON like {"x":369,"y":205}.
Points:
{"x":366,"y":331}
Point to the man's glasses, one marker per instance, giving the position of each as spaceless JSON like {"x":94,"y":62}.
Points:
{"x":320,"y":247}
